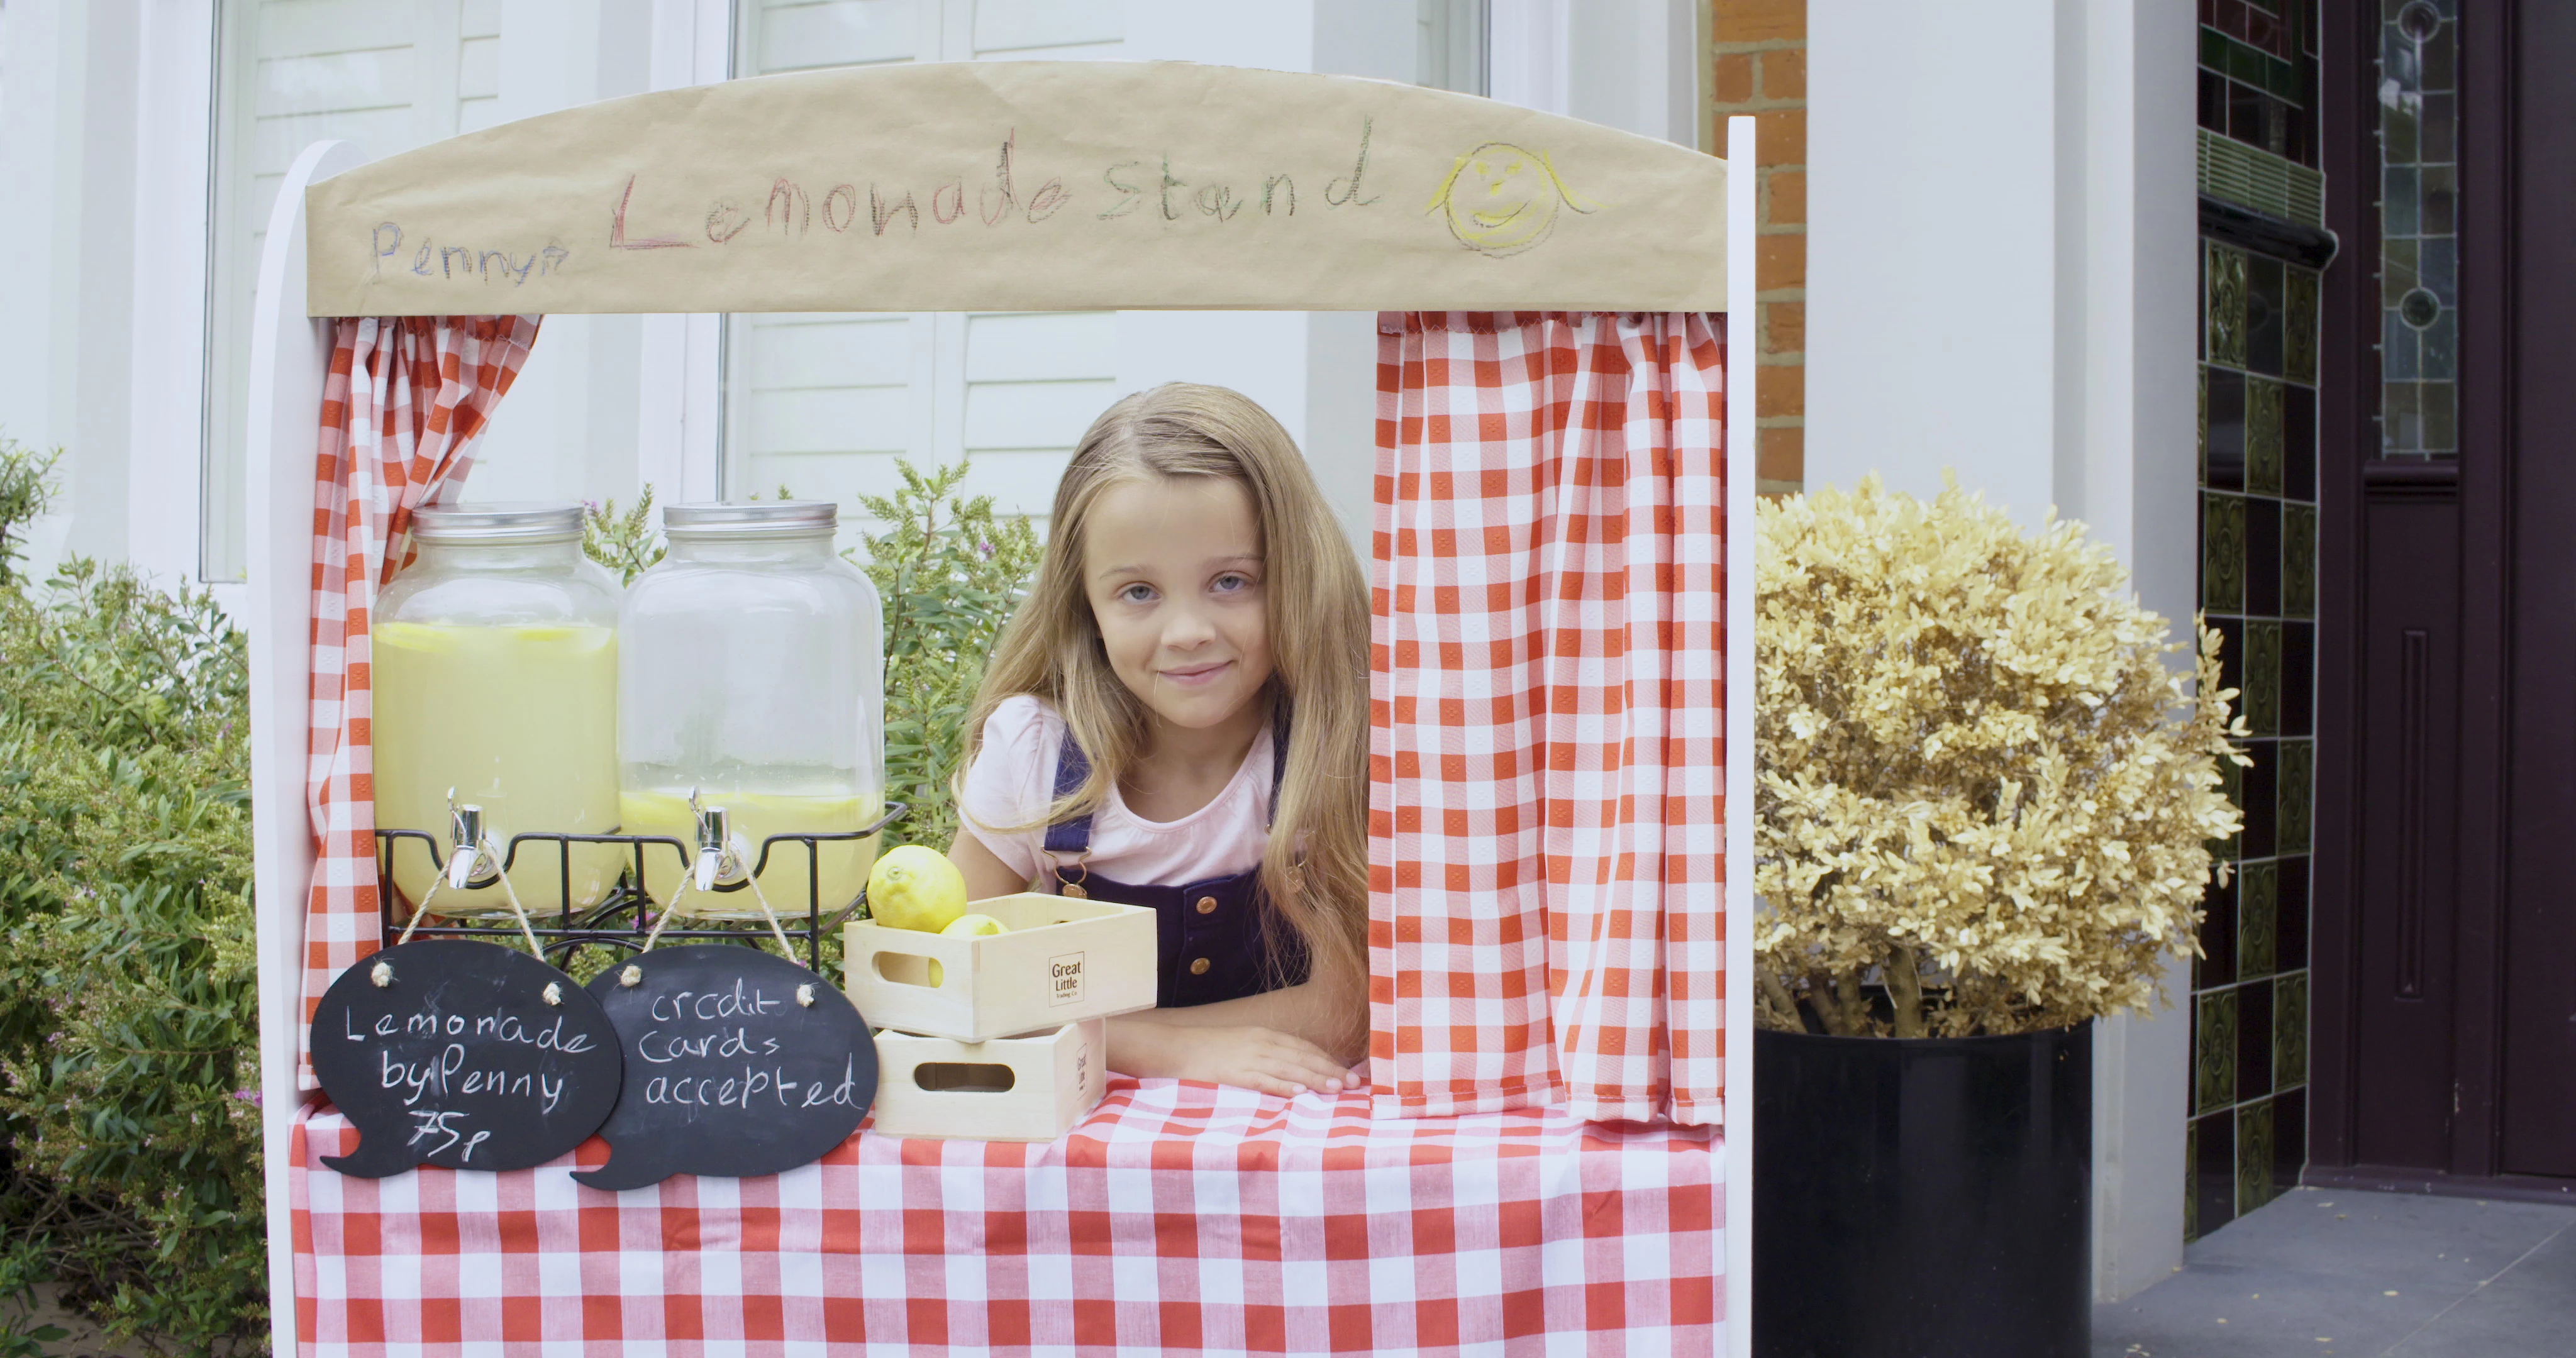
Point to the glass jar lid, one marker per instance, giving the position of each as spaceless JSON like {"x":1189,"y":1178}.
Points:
{"x":514,"y":521}
{"x":750,"y":517}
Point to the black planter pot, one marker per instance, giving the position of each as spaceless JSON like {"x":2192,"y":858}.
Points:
{"x":1923,"y":1197}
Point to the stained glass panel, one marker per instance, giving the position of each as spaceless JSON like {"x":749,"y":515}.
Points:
{"x":2419,"y":228}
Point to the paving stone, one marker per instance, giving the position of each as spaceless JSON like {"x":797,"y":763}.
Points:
{"x":2338,"y":1272}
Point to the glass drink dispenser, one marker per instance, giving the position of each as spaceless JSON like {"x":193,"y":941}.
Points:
{"x":752,"y":676}
{"x":495,"y":684}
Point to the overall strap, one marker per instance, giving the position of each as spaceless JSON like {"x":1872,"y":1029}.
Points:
{"x":1278,"y":757}
{"x":1072,"y":766}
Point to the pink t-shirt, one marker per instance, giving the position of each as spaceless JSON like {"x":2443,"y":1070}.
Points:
{"x":1013,"y":781}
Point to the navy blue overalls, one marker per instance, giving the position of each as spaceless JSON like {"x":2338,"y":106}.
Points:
{"x":1209,"y":941}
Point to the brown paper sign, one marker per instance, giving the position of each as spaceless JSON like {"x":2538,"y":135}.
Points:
{"x":972,"y":186}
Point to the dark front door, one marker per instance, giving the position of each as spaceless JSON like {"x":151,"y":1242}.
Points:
{"x":2537,"y":1093}
{"x":2445,"y":1014}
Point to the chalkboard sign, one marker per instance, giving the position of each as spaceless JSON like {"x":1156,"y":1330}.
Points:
{"x":462,"y":1054}
{"x":738,"y":1063}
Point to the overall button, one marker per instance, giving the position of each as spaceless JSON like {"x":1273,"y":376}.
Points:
{"x":1207,"y":905}
{"x":1199,"y":966}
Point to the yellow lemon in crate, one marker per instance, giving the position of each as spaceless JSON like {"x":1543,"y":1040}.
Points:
{"x":916,"y":887}
{"x":966,"y":926}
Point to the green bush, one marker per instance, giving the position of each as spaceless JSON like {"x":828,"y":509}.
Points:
{"x":129,"y":1122}
{"x":950,"y":574}
{"x":130,"y":1166}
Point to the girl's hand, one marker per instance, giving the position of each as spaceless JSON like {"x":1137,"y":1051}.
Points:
{"x":1263,"y":1059}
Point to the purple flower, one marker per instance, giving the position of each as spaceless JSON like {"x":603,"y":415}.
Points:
{"x":249,"y":1096}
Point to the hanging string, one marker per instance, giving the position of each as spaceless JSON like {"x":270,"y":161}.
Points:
{"x":484,"y":851}
{"x":736,"y":851}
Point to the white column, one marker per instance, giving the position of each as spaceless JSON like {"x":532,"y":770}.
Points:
{"x":1630,"y":64}
{"x":38,"y":82}
{"x":2000,"y":284}
{"x":1315,"y":371}
{"x":67,"y":140}
{"x":166,"y":353}
{"x":571,"y":426}
{"x":2132,"y":472}
{"x":1528,"y":44}
{"x":679,"y":434}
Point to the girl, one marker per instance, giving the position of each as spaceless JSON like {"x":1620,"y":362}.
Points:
{"x":1177,"y":717}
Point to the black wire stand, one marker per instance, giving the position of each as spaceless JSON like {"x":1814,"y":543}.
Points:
{"x":624,"y":918}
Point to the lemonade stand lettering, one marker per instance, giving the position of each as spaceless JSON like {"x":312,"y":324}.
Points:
{"x":1145,"y":187}
{"x":739,"y":1063}
{"x":1002,"y":192}
{"x":463,"y":1055}
{"x":1021,"y":185}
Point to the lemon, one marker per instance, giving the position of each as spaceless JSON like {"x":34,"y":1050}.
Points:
{"x":974,"y":926}
{"x":916,"y":887}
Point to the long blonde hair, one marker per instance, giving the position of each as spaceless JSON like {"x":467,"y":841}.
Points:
{"x":1315,"y":867}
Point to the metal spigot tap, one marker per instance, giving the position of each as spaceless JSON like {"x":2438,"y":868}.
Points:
{"x":472,"y":859}
{"x":722,"y":855}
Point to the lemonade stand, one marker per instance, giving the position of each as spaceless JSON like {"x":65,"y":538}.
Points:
{"x":1556,"y":1121}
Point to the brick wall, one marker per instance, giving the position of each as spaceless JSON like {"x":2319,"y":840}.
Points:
{"x":1759,"y":66}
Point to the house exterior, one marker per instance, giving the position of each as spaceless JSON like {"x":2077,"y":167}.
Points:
{"x":2267,"y":292}
{"x":2236,"y":283}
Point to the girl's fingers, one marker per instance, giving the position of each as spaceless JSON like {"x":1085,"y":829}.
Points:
{"x":1282,"y":1065}
{"x":1314,"y":1072}
{"x":1305,"y":1053}
{"x":1285,"y":1081}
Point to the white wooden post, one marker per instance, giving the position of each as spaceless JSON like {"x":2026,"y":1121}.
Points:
{"x":1743,"y":367}
{"x":289,"y":355}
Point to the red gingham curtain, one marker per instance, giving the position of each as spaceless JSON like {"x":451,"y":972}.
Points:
{"x":405,"y":401}
{"x":1547,"y":713}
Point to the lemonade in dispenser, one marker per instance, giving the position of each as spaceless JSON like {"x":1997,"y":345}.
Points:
{"x":494,"y":659}
{"x":752,"y":678}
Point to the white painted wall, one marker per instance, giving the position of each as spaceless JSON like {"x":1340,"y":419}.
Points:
{"x":1631,"y":64}
{"x":2001,"y":283}
{"x":112,"y":108}
{"x":1317,"y":372}
{"x":571,"y":425}
{"x":1931,"y":244}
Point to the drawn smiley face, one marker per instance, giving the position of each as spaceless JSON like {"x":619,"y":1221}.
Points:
{"x":1501,"y":199}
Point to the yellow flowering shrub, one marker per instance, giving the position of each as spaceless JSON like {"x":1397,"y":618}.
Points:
{"x":1985,"y":804}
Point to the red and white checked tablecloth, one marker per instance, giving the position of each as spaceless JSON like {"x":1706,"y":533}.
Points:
{"x":1179,"y":1218}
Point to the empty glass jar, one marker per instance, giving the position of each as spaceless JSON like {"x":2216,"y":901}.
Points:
{"x":751,"y":674}
{"x":495,"y":678}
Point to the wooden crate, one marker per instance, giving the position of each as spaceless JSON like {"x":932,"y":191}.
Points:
{"x":1031,"y":1088}
{"x":1064,"y":960}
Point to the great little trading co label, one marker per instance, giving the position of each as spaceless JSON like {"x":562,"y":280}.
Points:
{"x":1064,"y":979}
{"x":464,"y":1055}
{"x":738,"y":1063}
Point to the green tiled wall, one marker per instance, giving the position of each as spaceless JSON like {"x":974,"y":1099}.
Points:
{"x":2258,"y":550}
